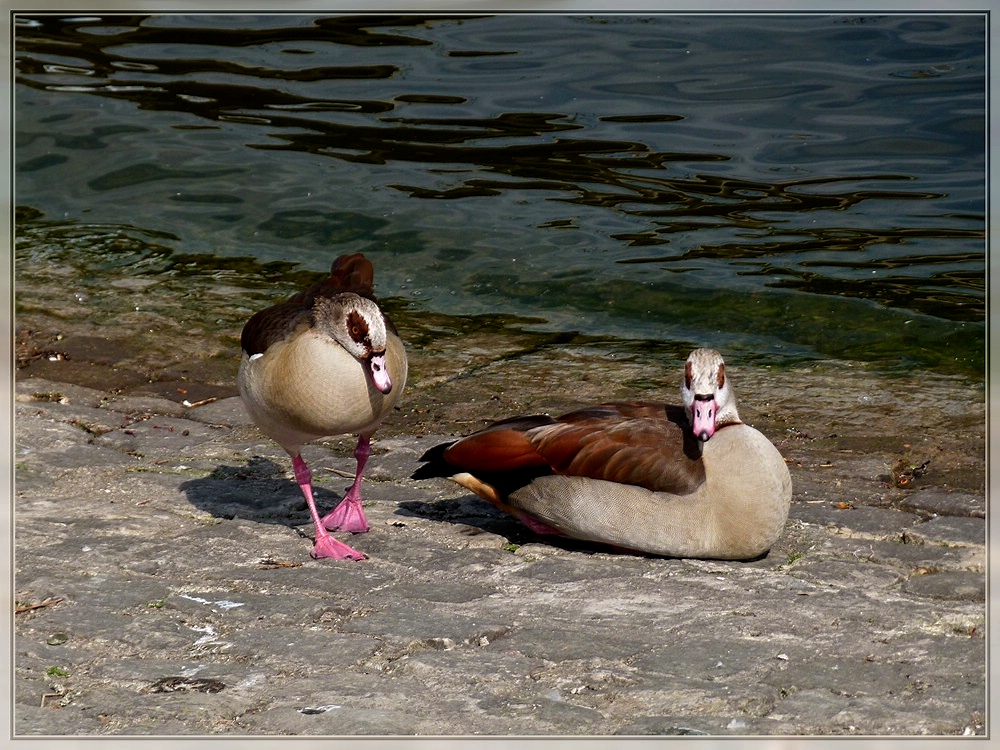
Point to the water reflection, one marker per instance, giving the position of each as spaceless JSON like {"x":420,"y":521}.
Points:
{"x":813,"y":200}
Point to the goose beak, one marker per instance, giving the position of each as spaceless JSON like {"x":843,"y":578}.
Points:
{"x":703,"y":417}
{"x":380,"y":375}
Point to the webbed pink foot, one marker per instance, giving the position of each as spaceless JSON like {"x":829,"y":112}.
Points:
{"x":348,"y":516}
{"x":328,"y":547}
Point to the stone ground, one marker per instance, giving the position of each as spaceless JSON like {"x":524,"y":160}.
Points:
{"x":163,"y":582}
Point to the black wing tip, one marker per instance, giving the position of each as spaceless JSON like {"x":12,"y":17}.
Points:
{"x":435,"y":464}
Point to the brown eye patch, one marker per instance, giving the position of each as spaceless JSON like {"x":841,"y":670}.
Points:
{"x":688,"y":370}
{"x":357,"y":327}
{"x":720,"y":378}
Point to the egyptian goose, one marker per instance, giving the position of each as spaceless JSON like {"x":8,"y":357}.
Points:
{"x":677,"y":481}
{"x":326,"y":362}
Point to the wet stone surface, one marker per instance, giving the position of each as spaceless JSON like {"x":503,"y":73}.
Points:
{"x":164,"y":584}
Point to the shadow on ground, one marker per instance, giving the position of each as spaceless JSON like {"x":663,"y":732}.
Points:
{"x":259,"y":491}
{"x":479,"y":515}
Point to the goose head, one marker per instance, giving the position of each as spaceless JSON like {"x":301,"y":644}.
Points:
{"x":357,"y":324}
{"x":708,"y":399}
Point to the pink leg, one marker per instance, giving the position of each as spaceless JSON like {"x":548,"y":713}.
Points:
{"x":537,"y":526}
{"x":326,"y":545}
{"x":349,"y":515}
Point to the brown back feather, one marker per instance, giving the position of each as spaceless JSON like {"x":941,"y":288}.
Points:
{"x":272,"y":324}
{"x":500,"y":447}
{"x":348,"y":273}
{"x":638,"y":443}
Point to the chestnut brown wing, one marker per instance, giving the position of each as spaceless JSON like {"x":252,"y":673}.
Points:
{"x":500,"y":457}
{"x":638,"y":443}
{"x":501,"y":447}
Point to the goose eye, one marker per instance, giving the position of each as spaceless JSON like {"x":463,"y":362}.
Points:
{"x":357,"y":328}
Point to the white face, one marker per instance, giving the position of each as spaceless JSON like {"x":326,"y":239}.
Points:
{"x":705,"y":391}
{"x":357,"y":325}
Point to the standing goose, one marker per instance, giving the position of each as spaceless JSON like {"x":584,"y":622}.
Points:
{"x":326,"y":362}
{"x":678,"y":481}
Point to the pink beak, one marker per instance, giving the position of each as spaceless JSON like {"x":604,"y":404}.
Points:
{"x":380,"y":375}
{"x":703,"y":418}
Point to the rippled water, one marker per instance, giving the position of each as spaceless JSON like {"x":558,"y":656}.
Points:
{"x":783,"y":187}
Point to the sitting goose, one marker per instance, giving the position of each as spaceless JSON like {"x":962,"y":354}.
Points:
{"x":326,"y":362}
{"x":678,"y":481}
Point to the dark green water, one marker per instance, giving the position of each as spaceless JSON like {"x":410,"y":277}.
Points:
{"x":784,"y":188}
